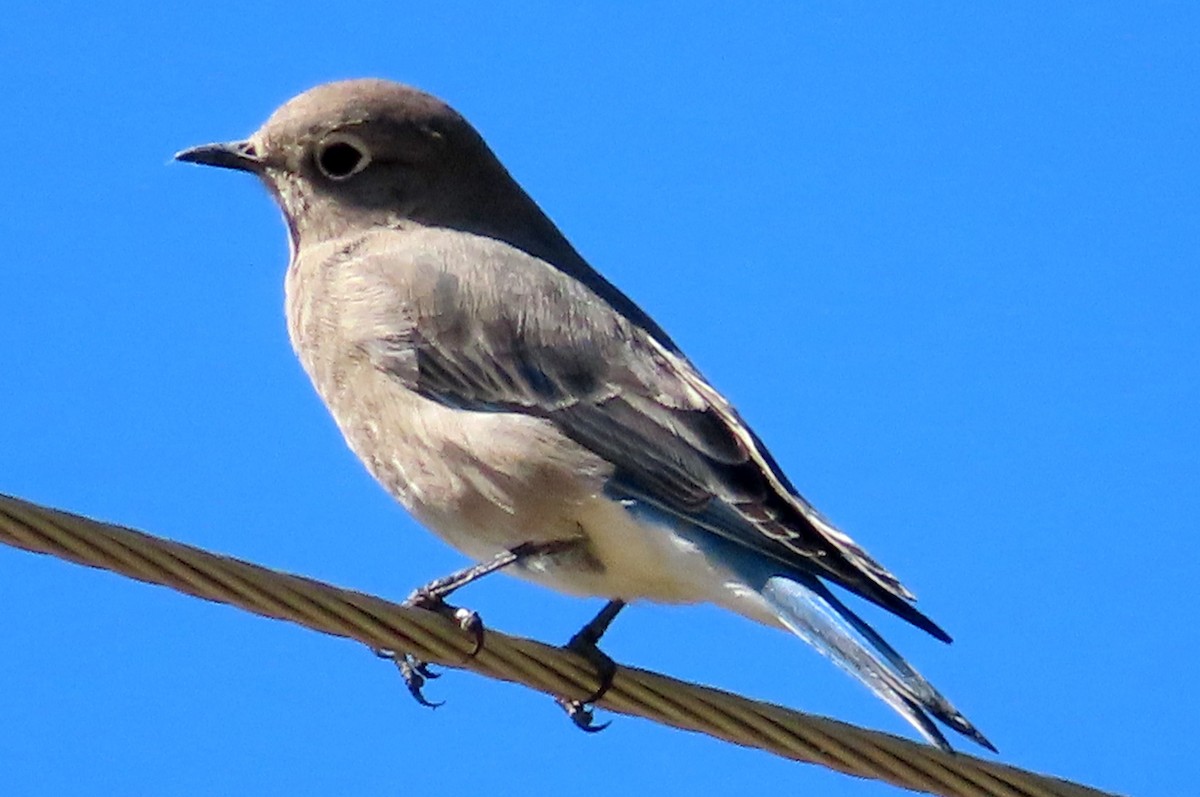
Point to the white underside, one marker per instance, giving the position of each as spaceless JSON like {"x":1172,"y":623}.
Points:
{"x":638,"y":560}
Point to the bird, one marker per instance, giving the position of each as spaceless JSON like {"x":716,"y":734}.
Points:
{"x":524,"y":409}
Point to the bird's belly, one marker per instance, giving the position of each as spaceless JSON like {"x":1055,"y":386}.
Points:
{"x":616,"y":555}
{"x":631,"y":559}
{"x":487,"y":482}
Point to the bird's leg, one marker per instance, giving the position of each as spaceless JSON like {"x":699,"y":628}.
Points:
{"x":432,"y":593}
{"x":432,"y":596}
{"x":585,"y":643}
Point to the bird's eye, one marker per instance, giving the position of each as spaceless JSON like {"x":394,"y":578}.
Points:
{"x":341,"y":156}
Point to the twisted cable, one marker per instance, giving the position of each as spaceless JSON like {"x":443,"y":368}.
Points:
{"x":431,"y":637}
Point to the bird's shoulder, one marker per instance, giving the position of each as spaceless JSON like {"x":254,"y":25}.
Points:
{"x":481,"y":303}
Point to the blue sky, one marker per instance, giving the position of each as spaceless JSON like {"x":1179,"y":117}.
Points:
{"x":944,"y":260}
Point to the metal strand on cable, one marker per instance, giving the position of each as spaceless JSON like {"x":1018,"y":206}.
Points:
{"x":431,"y":637}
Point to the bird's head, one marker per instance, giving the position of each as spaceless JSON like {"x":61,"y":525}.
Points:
{"x":365,"y":153}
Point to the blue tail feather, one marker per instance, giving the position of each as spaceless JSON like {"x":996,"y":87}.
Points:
{"x":815,"y":615}
{"x":810,"y":610}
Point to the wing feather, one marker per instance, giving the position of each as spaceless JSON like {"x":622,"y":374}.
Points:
{"x":502,"y":331}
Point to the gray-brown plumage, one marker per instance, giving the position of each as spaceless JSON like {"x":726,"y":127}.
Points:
{"x":506,"y":393}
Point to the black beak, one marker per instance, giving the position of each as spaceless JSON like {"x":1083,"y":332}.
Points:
{"x":238,"y":155}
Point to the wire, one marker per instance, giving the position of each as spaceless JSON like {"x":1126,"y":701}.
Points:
{"x":431,"y":637}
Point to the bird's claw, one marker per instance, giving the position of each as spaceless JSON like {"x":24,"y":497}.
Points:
{"x":467,"y":619}
{"x":606,"y":668}
{"x":414,"y":671}
{"x":422,"y":669}
{"x":471,"y":622}
{"x":415,"y":674}
{"x":582,"y":712}
{"x":582,"y":716}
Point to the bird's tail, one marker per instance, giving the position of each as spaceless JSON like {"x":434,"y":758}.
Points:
{"x":812,"y":612}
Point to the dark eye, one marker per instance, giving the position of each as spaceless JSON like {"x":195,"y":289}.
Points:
{"x":340,"y":157}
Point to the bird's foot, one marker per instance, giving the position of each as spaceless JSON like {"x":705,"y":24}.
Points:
{"x":428,"y":598}
{"x":585,"y":643}
{"x":580,"y":711}
{"x":582,"y":715}
{"x":432,"y":597}
{"x":415,"y":674}
{"x":414,"y":671}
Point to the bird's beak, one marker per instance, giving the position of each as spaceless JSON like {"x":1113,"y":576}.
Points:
{"x":238,"y":155}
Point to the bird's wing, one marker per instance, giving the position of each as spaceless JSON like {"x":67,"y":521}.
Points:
{"x":492,"y":329}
